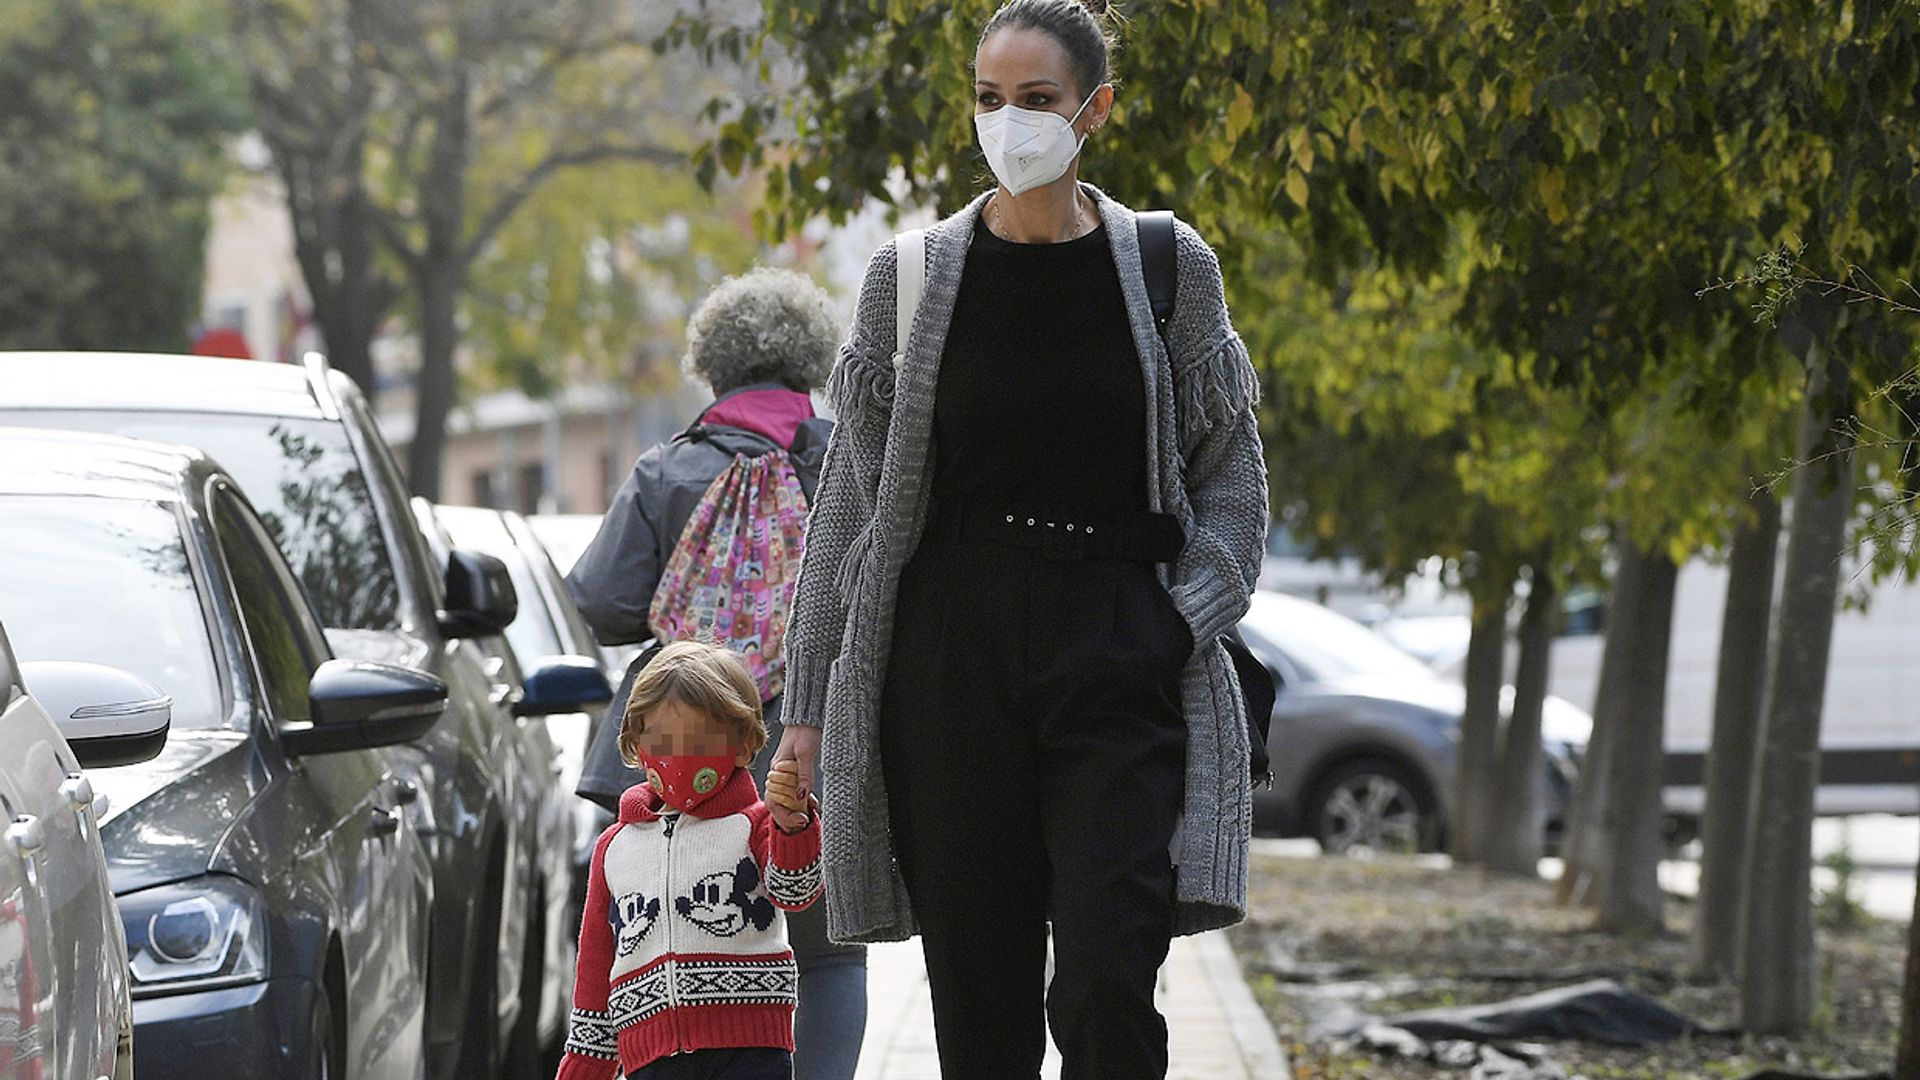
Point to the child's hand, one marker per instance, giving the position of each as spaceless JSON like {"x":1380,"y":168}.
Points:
{"x":790,"y":809}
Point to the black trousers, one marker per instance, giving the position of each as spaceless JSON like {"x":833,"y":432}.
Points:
{"x":1034,"y":753}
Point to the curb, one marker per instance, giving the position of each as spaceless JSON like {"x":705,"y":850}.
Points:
{"x":1253,"y":1033}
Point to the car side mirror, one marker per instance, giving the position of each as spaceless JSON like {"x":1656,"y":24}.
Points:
{"x":109,"y":716}
{"x":563,"y":684}
{"x":357,"y":705}
{"x":480,"y":597}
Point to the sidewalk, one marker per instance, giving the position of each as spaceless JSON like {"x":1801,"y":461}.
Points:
{"x":1216,"y":1031}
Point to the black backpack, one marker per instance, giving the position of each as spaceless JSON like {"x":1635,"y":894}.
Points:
{"x":1158,"y":265}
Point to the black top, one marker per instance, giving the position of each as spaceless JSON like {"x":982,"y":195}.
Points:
{"x":1042,"y":399}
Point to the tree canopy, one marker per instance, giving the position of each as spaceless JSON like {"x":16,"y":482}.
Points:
{"x":114,"y":115}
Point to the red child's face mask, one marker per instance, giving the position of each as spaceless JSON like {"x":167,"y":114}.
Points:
{"x":685,"y":781}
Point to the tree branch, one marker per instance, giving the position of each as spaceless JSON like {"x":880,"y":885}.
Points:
{"x":514,"y":197}
{"x":388,"y":224}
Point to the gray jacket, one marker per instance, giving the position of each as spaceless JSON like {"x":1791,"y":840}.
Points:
{"x":614,"y":579}
{"x":1205,"y":467}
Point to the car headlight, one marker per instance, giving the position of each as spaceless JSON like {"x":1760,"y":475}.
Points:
{"x":195,"y":935}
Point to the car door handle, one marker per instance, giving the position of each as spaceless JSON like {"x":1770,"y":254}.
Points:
{"x":26,"y":836}
{"x":383,"y":822}
{"x":78,"y":791}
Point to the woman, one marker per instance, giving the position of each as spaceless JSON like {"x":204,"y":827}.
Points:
{"x":761,"y":341}
{"x":1020,"y":534}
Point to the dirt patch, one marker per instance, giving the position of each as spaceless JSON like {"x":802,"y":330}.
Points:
{"x":1330,"y":939}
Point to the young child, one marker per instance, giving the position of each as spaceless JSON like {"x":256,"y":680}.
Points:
{"x":684,"y":965}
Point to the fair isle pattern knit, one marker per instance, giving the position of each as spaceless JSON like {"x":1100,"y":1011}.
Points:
{"x":1205,"y":467}
{"x":683,"y":941}
{"x":794,"y":888}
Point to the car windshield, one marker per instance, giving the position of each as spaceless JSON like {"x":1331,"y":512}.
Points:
{"x":106,"y":581}
{"x":531,"y":634}
{"x":1327,"y":646}
{"x":304,"y":479}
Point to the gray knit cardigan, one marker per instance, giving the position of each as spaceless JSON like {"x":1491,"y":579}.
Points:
{"x":1204,"y":466}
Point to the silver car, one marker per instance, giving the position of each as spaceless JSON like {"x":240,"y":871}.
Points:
{"x":66,"y":1012}
{"x":1363,"y":735}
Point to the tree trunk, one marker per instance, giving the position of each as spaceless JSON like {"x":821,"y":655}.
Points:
{"x":1514,"y":840}
{"x":334,"y":245}
{"x":1479,"y":747}
{"x":358,"y":301}
{"x":440,"y":276}
{"x":439,"y":338}
{"x":1906,"y":1062}
{"x":1736,"y":725}
{"x":1778,"y":975}
{"x":1630,"y":901}
{"x":1580,"y":881}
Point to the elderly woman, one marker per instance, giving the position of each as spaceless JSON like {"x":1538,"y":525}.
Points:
{"x":761,"y":341}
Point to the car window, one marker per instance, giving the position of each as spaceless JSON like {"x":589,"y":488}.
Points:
{"x":107,"y":581}
{"x":304,"y":479}
{"x":272,"y":614}
{"x":384,"y":472}
{"x":579,"y":636}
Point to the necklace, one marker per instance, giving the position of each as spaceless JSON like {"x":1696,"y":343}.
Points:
{"x":1075,"y":228}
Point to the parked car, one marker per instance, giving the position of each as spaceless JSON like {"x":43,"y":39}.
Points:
{"x":549,"y":624}
{"x":1363,"y":735}
{"x":302,"y":443}
{"x":273,"y":908}
{"x":553,"y":742}
{"x":565,"y":538}
{"x":69,"y":1018}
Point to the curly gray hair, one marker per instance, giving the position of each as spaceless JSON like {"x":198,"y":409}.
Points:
{"x":765,"y":325}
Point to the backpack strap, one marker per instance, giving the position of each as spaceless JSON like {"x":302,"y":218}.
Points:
{"x":1157,"y":263}
{"x":910,"y":280}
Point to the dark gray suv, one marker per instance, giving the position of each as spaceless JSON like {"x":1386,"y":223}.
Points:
{"x":302,"y":444}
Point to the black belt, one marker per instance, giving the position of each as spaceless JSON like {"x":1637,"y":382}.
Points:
{"x":1132,"y":535}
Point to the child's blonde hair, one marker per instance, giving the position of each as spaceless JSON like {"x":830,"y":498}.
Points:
{"x":699,"y":676}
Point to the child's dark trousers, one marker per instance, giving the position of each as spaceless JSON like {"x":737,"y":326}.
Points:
{"x":748,"y":1063}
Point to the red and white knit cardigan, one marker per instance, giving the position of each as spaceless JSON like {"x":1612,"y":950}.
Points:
{"x":683,"y":944}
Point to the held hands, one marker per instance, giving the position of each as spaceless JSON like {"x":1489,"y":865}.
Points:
{"x":791,"y":806}
{"x":793,"y":768}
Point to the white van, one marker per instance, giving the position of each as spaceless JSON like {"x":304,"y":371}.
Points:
{"x":1870,"y":734}
{"x":1870,"y":726}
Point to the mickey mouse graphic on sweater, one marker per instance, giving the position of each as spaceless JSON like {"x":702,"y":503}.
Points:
{"x":683,"y":943}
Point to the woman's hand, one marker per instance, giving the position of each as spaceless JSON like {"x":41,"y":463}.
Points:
{"x":793,"y":761}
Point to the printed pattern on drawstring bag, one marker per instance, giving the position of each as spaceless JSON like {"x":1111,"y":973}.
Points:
{"x":730,"y":579}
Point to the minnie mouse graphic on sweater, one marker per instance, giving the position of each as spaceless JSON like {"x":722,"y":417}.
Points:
{"x":683,"y":943}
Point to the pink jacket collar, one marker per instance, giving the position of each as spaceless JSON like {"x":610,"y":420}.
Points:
{"x":773,"y":411}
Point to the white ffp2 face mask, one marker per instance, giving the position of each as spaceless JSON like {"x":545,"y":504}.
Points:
{"x":1028,"y":148}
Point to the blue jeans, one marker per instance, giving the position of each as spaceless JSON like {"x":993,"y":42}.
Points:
{"x":832,"y":1017}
